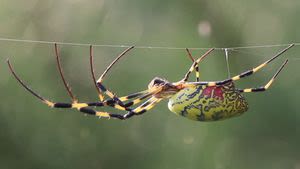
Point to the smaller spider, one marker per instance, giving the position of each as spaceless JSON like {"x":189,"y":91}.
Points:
{"x":199,"y":100}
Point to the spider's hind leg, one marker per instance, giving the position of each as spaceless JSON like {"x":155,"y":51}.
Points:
{"x":248,"y":72}
{"x":98,"y":84}
{"x":265,"y":87}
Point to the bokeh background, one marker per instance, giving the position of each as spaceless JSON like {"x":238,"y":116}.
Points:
{"x":35,"y":136}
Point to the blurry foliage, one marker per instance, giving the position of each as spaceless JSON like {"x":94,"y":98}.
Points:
{"x":34,"y":136}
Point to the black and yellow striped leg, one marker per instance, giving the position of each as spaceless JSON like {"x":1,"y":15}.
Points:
{"x":134,"y":98}
{"x":137,"y":111}
{"x":46,"y":101}
{"x":110,"y":94}
{"x":265,"y":87}
{"x":195,"y":65}
{"x":244,"y":74}
{"x":197,"y":73}
{"x":147,"y":105}
{"x":100,"y":87}
{"x":138,"y":97}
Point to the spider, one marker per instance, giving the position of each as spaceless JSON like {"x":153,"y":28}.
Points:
{"x":199,"y":100}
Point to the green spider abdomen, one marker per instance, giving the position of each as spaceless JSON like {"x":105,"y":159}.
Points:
{"x":203,"y":103}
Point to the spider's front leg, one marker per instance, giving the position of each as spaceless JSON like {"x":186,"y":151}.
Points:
{"x":132,"y":98}
{"x":98,"y":84}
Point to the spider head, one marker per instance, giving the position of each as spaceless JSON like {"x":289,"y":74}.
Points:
{"x":157,"y":82}
{"x":162,"y":88}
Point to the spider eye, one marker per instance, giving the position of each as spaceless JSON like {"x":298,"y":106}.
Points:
{"x":158,"y":81}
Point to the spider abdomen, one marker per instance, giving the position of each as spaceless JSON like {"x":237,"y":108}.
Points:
{"x":203,"y":103}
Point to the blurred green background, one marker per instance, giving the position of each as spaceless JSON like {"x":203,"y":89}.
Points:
{"x":35,"y":136}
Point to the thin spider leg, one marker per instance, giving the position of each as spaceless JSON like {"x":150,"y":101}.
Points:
{"x":112,"y":63}
{"x":265,"y":87}
{"x":242,"y":75}
{"x":101,"y":97}
{"x":135,"y":99}
{"x":98,"y":84}
{"x":110,"y":102}
{"x":139,"y":97}
{"x":46,"y":101}
{"x":147,"y":105}
{"x":124,"y":98}
{"x":130,"y":113}
{"x":195,"y":66}
{"x":74,"y":100}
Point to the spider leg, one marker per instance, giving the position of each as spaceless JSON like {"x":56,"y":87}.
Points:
{"x":137,"y":111}
{"x":74,"y":100}
{"x":110,"y":102}
{"x":147,"y":105}
{"x":242,"y":75}
{"x":265,"y":87}
{"x":195,"y":65}
{"x":101,"y":97}
{"x":98,"y":84}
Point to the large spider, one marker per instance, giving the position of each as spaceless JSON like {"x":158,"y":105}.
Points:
{"x":199,"y":100}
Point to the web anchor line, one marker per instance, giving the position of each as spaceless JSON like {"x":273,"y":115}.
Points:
{"x":227,"y":62}
{"x":144,"y":47}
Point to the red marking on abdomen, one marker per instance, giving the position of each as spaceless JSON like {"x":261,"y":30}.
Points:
{"x":213,"y":91}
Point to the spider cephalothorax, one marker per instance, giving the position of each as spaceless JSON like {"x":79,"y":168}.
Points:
{"x":162,"y":88}
{"x":199,"y":100}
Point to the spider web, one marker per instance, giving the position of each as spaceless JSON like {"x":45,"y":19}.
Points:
{"x":149,"y":47}
{"x":227,"y":50}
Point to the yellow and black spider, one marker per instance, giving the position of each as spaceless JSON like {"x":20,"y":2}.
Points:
{"x":200,"y":100}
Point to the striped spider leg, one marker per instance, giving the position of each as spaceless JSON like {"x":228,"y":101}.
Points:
{"x":248,"y":73}
{"x":195,"y":65}
{"x":82,"y":107}
{"x":152,"y":90}
{"x":113,"y":102}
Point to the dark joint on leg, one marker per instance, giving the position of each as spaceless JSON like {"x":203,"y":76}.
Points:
{"x":249,"y":72}
{"x":128,"y":104}
{"x":142,"y":111}
{"x":133,"y":95}
{"x":62,"y":105}
{"x":258,"y":89}
{"x":87,"y":111}
{"x":101,"y":87}
{"x":98,"y":104}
